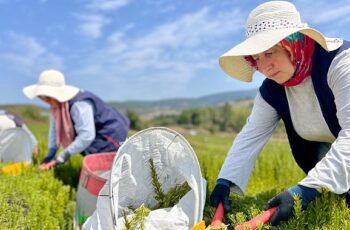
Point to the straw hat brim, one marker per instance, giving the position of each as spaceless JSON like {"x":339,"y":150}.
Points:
{"x":234,"y":64}
{"x":61,"y":94}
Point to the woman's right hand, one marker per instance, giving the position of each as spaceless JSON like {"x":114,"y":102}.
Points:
{"x":49,"y":156}
{"x":221,"y":193}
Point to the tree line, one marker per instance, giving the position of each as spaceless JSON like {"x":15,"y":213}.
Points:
{"x":225,"y":118}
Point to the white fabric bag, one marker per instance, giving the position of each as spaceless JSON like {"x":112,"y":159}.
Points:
{"x":15,"y":146}
{"x":130,"y":182}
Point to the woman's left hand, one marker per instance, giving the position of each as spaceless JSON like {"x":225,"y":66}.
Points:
{"x":285,"y":202}
{"x":63,"y":157}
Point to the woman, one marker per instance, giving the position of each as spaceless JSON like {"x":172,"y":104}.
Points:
{"x":79,"y":121}
{"x":307,"y":85}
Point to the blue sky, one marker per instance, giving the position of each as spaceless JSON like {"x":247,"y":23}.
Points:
{"x":135,"y":49}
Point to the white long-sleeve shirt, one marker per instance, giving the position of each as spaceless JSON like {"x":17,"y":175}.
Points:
{"x":82,"y":115}
{"x":332,"y":171}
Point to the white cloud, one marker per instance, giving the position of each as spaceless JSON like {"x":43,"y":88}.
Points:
{"x":94,"y":19}
{"x":319,"y":12}
{"x":325,"y":12}
{"x":92,"y":24}
{"x":162,"y":6}
{"x":175,"y":52}
{"x":190,"y":30}
{"x":331,"y":17}
{"x":107,"y":5}
{"x":26,"y":55}
{"x":188,"y":41}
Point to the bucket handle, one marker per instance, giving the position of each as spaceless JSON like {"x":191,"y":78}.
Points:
{"x":85,"y":179}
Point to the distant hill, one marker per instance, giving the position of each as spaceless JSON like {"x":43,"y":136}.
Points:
{"x":29,"y":113}
{"x":173,"y":106}
{"x":148,"y":109}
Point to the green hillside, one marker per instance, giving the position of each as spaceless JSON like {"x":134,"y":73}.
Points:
{"x":147,"y":109}
{"x":171,"y":106}
{"x":29,"y":113}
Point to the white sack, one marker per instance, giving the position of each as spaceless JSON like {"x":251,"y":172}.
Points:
{"x":15,"y":146}
{"x":130,"y":182}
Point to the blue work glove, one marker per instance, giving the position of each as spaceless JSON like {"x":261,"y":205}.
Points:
{"x":51,"y":152}
{"x":221,"y":193}
{"x":285,"y":202}
{"x":62,"y":158}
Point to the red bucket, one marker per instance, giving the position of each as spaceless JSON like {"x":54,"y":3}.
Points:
{"x":95,"y":171}
{"x":94,"y":174}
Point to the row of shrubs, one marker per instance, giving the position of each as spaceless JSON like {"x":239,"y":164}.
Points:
{"x":35,"y":199}
{"x":39,"y":199}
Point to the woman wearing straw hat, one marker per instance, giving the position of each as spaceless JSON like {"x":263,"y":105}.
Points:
{"x":307,"y":85}
{"x":79,"y":121}
{"x":10,"y":120}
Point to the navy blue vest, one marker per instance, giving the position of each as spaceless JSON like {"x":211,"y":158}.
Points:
{"x":305,"y":152}
{"x":111,"y":126}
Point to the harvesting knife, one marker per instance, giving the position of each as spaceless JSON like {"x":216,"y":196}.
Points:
{"x":251,"y":224}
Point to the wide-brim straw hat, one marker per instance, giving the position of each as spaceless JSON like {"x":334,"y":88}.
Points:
{"x":51,"y":83}
{"x":267,"y":25}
